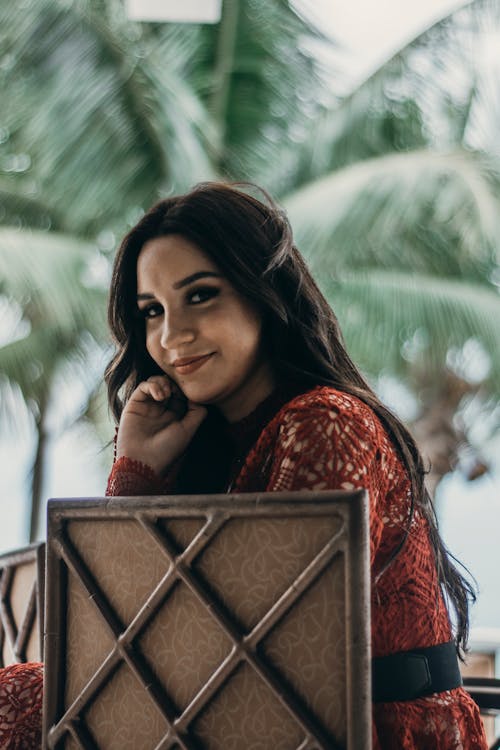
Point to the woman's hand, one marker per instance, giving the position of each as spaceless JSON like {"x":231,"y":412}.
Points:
{"x":152,"y":428}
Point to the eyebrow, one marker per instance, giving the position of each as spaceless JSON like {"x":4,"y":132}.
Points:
{"x":195,"y":277}
{"x":184,"y":282}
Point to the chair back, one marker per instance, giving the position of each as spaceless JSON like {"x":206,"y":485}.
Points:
{"x":223,"y":622}
{"x":21,"y":605}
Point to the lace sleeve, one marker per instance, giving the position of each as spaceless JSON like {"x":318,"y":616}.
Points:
{"x":130,"y":478}
{"x":21,"y":687}
{"x":326,"y":449}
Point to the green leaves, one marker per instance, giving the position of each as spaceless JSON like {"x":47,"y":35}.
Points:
{"x":42,"y":275}
{"x":396,"y":322}
{"x":422,"y":210}
{"x":102,"y":110}
{"x":261,"y":86}
{"x":100,"y":118}
{"x":406,"y":245}
{"x":397,"y":203}
{"x":392,"y":192}
{"x":45,"y":273}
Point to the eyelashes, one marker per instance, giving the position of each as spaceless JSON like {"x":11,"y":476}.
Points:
{"x":202,"y":294}
{"x":196,"y":296}
{"x":150,"y":311}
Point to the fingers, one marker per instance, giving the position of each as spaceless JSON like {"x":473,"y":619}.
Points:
{"x":157,"y":387}
{"x":157,"y":425}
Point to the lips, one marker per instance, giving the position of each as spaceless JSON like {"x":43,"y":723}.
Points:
{"x":187,"y":365}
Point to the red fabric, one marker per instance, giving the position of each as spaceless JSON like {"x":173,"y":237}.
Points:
{"x":21,"y":687}
{"x":129,"y":478}
{"x":325,"y":439}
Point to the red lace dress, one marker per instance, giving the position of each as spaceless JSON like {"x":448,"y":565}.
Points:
{"x":325,"y":439}
{"x":21,"y":688}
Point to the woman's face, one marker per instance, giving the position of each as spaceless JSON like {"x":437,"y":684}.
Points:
{"x":199,"y":330}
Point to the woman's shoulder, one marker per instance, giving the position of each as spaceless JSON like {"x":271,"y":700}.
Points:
{"x":326,"y":416}
{"x":326,"y":402}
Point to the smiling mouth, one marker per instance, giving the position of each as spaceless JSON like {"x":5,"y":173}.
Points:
{"x":187,"y":365}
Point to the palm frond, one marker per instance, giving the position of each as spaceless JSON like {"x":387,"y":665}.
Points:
{"x":394,"y":322}
{"x":261,"y":84}
{"x":30,"y":362}
{"x":19,"y":208}
{"x":55,"y":369}
{"x":44,"y":273}
{"x":421,"y":211}
{"x":438,"y":90}
{"x":105,"y":121}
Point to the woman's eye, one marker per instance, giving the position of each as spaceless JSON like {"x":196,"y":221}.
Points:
{"x":151,"y":311}
{"x":202,"y":294}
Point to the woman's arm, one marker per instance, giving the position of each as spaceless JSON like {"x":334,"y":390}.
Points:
{"x":152,"y":437}
{"x":151,"y":429}
{"x":131,"y":478}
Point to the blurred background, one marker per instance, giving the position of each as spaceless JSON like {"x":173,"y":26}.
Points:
{"x":376,"y":125}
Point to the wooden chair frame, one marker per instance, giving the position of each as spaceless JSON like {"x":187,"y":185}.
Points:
{"x":62,"y":721}
{"x":486,"y":693}
{"x":16,"y":635}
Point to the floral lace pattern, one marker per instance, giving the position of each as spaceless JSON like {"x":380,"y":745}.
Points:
{"x":445,"y":721}
{"x":129,"y":478}
{"x":21,"y":688}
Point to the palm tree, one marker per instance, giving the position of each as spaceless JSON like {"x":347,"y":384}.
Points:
{"x":105,"y":115}
{"x":402,"y":227}
{"x":400,"y":224}
{"x":101,"y":117}
{"x":56,"y":324}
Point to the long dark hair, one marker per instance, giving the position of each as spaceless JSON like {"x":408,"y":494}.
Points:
{"x":251,"y":243}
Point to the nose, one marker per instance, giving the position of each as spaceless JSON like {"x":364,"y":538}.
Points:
{"x":176,"y":330}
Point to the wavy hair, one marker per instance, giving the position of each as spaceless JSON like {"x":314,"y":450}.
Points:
{"x":251,"y":242}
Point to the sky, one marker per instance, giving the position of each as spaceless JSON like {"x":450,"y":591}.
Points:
{"x":370,"y":32}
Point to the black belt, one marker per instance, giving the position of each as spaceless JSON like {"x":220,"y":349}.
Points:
{"x":416,"y":673}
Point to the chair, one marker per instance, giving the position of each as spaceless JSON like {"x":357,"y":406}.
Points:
{"x":486,"y":693}
{"x":209,"y":622}
{"x":21,"y":605}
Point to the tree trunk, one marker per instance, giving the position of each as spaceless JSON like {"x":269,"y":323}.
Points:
{"x":38,"y":469}
{"x":437,"y":431}
{"x":223,"y":70}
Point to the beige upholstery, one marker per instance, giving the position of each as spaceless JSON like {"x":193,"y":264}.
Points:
{"x":208,"y":622}
{"x":21,"y":608}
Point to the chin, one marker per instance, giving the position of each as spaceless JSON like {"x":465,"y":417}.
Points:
{"x":202,"y":396}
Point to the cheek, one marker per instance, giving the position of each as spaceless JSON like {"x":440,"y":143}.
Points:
{"x":245,"y":334}
{"x":152,"y":342}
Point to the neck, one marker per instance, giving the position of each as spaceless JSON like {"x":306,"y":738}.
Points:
{"x":243,"y":402}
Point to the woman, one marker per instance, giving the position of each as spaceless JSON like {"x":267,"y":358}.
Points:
{"x":230,"y":375}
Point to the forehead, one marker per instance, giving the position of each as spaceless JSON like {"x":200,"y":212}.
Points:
{"x":170,"y":259}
